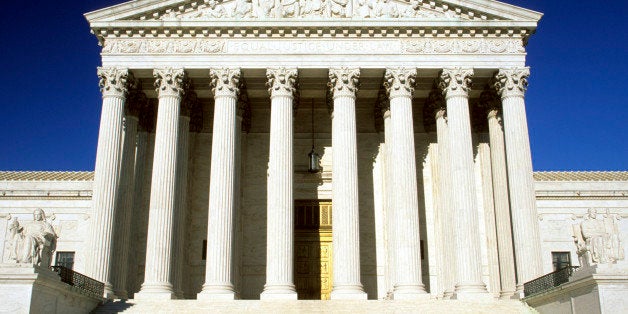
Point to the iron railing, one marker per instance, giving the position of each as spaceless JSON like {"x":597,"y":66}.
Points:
{"x":86,"y":284}
{"x":548,"y":281}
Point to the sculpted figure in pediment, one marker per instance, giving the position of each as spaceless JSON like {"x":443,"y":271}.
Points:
{"x":263,"y":8}
{"x":312,"y":8}
{"x":211,"y":10}
{"x":290,"y":8}
{"x":338,"y":8}
{"x":386,"y":9}
{"x":365,"y":8}
{"x":243,"y":8}
{"x":32,"y":242}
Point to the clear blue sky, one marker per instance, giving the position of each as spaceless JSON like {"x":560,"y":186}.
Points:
{"x":577,"y":101}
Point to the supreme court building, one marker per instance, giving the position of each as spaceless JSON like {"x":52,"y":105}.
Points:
{"x":315,"y":149}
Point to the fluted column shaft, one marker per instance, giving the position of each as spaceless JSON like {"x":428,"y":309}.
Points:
{"x":218,"y":270}
{"x":399,"y":85}
{"x":502,"y":205}
{"x":163,"y":200}
{"x":114,"y":87}
{"x":346,"y":218}
{"x":445,"y":207}
{"x":511,"y":85}
{"x":125,"y":207}
{"x":455,"y":84}
{"x":138,"y":201}
{"x":390,"y":209}
{"x":280,"y":215}
{"x":181,"y":207}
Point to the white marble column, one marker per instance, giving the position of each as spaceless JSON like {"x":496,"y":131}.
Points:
{"x":114,"y":84}
{"x":179,"y":258}
{"x":170,"y":84}
{"x":343,"y":84}
{"x":399,"y":85}
{"x":448,"y":264}
{"x":455,"y":84}
{"x":126,"y":191}
{"x":511,"y":85}
{"x":500,"y":195}
{"x":388,"y":197}
{"x":280,"y":207}
{"x":138,"y":202}
{"x":218,"y":270}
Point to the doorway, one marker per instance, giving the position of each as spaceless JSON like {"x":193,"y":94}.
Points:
{"x":313,"y":249}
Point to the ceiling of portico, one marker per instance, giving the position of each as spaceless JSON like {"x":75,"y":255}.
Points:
{"x":313,"y":84}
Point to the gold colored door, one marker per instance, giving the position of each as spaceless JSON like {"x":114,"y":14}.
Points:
{"x":313,"y":249}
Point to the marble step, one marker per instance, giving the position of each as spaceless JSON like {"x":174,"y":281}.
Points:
{"x":306,"y":306}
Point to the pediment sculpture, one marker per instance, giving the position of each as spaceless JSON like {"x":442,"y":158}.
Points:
{"x":32,"y":242}
{"x":264,"y":9}
{"x":598,"y":240}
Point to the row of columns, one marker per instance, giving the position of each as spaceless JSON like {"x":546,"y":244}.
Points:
{"x":511,"y":169}
{"x":168,"y":187}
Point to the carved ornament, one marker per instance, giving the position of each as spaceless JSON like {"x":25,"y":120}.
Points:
{"x":458,"y":46}
{"x":114,"y":81}
{"x":225,"y":82}
{"x":511,"y":82}
{"x":455,"y":82}
{"x":343,"y":82}
{"x":170,"y":82}
{"x":282,"y":81}
{"x":161,"y":46}
{"x":312,"y":9}
{"x":399,"y":82}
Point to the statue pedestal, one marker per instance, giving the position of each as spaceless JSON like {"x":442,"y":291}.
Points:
{"x":592,"y":289}
{"x":28,"y":288}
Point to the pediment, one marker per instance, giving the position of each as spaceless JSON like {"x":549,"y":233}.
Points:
{"x":242,"y":10}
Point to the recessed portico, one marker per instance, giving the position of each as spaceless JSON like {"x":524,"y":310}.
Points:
{"x":359,"y":88}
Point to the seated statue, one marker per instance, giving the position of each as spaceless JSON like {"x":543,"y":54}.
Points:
{"x":597,"y":240}
{"x":32,"y":242}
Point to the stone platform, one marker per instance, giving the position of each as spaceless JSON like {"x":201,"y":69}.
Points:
{"x":303,"y":306}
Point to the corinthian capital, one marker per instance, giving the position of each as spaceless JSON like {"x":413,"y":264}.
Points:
{"x":511,"y":82}
{"x":170,"y":82}
{"x":399,"y":82}
{"x":282,"y":81}
{"x":343,"y":81}
{"x":225,"y":82}
{"x":114,"y":81}
{"x":455,"y":82}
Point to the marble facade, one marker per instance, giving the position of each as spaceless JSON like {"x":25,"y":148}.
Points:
{"x":210,"y":109}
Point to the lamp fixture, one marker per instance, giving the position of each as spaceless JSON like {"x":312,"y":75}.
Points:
{"x":314,"y":158}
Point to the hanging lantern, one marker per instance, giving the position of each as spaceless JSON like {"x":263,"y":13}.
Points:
{"x":314,"y":161}
{"x":314,"y":166}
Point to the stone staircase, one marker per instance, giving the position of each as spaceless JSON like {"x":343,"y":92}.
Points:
{"x":304,"y":306}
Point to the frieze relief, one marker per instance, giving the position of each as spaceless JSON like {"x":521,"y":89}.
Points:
{"x":130,"y":46}
{"x":313,"y":9}
{"x":462,"y":46}
{"x":163,"y":46}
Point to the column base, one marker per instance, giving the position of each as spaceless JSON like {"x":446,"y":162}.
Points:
{"x":279,"y":292}
{"x":410,"y":292}
{"x":217,"y":292}
{"x":122,"y":295}
{"x":348,"y":292}
{"x":109,"y":293}
{"x":160,"y":291}
{"x":472,"y":292}
{"x":508,"y":295}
